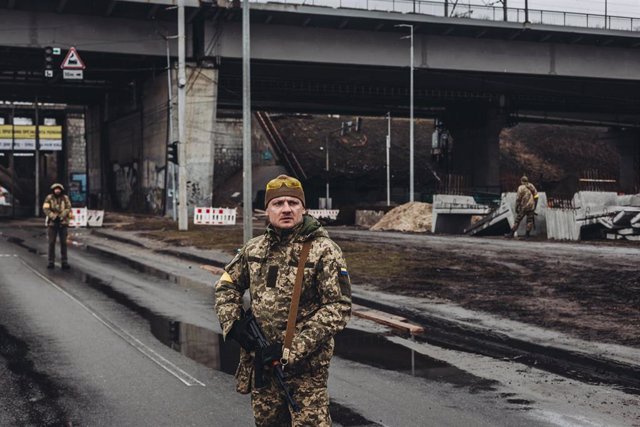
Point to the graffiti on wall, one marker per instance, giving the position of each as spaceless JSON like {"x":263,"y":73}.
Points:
{"x":153,"y":187}
{"x":125,"y":181}
{"x":195,"y":196}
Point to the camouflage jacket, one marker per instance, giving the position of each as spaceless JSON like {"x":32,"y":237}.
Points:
{"x":525,"y":198}
{"x":57,"y":207}
{"x":267,"y":266}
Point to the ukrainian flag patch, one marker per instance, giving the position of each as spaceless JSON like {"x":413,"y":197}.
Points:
{"x":344,"y":272}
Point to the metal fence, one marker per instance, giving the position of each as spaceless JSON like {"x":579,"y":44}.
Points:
{"x":480,"y":12}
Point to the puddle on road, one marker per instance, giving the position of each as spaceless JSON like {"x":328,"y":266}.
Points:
{"x":207,"y":348}
{"x":199,"y":344}
{"x":375,"y":350}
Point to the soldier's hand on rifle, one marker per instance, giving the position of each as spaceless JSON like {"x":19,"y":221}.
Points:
{"x":270,"y":354}
{"x":241,"y":334}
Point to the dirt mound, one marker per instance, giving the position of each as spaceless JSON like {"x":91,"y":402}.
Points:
{"x":412,"y":216}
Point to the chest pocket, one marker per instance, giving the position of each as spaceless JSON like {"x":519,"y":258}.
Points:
{"x":272,"y":276}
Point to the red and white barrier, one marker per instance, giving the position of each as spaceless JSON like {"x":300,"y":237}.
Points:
{"x":214,"y":216}
{"x":83,"y":217}
{"x":324,"y":213}
{"x":78,"y":217}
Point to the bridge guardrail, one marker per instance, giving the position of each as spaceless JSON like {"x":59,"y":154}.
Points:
{"x":481,"y":12}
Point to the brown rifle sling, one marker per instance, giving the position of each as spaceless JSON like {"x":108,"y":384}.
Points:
{"x":295,"y":299}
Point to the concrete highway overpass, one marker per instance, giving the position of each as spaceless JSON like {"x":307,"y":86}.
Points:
{"x":476,"y":75}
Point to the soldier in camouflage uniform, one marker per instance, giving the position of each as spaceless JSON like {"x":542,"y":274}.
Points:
{"x":267,"y":266}
{"x":526,"y":204}
{"x":57,"y":208}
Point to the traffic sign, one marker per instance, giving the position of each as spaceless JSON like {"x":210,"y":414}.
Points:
{"x":48,"y":73}
{"x":72,"y":74}
{"x":72,"y":61}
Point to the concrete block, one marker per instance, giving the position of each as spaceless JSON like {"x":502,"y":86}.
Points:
{"x":452,"y":214}
{"x":562,"y":224}
{"x":629,"y":200}
{"x":628,"y":231}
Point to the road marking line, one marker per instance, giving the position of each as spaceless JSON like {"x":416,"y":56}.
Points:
{"x":165,"y":364}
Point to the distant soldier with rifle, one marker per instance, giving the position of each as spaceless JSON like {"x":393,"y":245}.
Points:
{"x":300,"y":298}
{"x":526,"y":204}
{"x":57,"y":208}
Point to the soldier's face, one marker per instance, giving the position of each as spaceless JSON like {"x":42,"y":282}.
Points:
{"x":57,"y":191}
{"x":285,"y":212}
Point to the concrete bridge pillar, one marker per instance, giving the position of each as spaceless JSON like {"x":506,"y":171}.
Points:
{"x":201,"y":128}
{"x":127,"y":140}
{"x":629,"y":149}
{"x":476,"y":146}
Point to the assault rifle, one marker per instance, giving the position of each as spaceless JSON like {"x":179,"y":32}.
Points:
{"x":276,"y":366}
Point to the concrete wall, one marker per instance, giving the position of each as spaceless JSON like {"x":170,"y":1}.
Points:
{"x":94,"y":162}
{"x":629,"y":148}
{"x":76,"y":143}
{"x":200,"y":130}
{"x":125,"y":151}
{"x":154,"y":143}
{"x":476,"y":147}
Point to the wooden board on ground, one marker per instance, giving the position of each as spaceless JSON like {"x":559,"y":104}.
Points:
{"x":391,"y":320}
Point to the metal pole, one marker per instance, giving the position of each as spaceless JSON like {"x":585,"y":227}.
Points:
{"x":411,"y":134}
{"x":13,"y":160}
{"x":171,"y":171}
{"x":605,"y":14}
{"x":326,"y":168}
{"x":388,"y":163}
{"x":183,"y":220}
{"x":526,"y":11}
{"x":247,"y":192}
{"x":37,"y":196}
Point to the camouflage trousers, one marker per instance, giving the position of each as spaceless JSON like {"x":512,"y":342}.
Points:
{"x":530,"y":219}
{"x":270,"y":408}
{"x":52,"y":233}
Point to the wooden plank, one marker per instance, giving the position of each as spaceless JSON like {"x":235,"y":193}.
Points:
{"x":387,"y":319}
{"x":213,"y":270}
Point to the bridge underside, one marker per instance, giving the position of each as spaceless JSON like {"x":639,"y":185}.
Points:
{"x":376,"y":90}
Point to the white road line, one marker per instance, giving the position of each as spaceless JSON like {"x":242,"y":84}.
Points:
{"x":130,"y":339}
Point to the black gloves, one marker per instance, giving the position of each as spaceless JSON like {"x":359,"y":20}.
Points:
{"x":270,"y":354}
{"x":240,"y":333}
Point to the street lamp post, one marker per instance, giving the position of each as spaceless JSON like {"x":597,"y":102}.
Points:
{"x":388,"y":146}
{"x":326,"y":168}
{"x":247,"y":196}
{"x":411,"y":124}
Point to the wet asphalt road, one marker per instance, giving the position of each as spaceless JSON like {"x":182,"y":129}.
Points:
{"x":106,"y":345}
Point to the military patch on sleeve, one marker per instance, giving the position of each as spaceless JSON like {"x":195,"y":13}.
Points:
{"x":46,"y":206}
{"x":226,"y":278}
{"x":344,"y":281}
